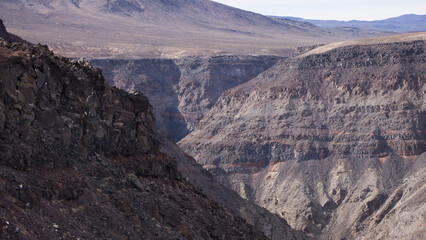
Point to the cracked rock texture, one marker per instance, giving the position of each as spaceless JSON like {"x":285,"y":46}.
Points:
{"x":333,"y":140}
{"x":81,"y":160}
{"x":183,"y":90}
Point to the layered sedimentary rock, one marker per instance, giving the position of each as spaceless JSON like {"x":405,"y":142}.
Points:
{"x":81,"y":160}
{"x":333,"y":140}
{"x":183,"y":90}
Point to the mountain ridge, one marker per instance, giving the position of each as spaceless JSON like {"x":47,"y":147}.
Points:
{"x":168,"y":29}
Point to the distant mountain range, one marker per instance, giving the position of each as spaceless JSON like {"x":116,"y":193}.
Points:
{"x":404,"y":23}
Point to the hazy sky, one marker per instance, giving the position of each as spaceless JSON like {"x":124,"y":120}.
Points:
{"x":332,"y":9}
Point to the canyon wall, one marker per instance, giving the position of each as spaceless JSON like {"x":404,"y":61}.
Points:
{"x":334,"y":141}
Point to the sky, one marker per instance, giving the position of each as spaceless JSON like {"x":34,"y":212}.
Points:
{"x":332,"y":9}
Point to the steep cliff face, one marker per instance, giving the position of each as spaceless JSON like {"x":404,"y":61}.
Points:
{"x":183,"y":90}
{"x":81,"y":160}
{"x":334,"y":141}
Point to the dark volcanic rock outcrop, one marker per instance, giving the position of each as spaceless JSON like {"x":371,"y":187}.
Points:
{"x":334,"y":140}
{"x":81,"y":160}
{"x":183,"y":90}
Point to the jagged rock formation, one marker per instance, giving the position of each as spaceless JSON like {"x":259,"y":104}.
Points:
{"x":81,"y":160}
{"x":135,"y":29}
{"x":8,"y":36}
{"x":183,"y":90}
{"x":334,"y":140}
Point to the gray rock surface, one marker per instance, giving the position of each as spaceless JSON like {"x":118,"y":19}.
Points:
{"x":334,"y":142}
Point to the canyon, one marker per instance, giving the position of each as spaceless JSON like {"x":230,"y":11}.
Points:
{"x":332,"y":140}
{"x":83,"y":160}
{"x":335,"y":131}
{"x":189,"y":119}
